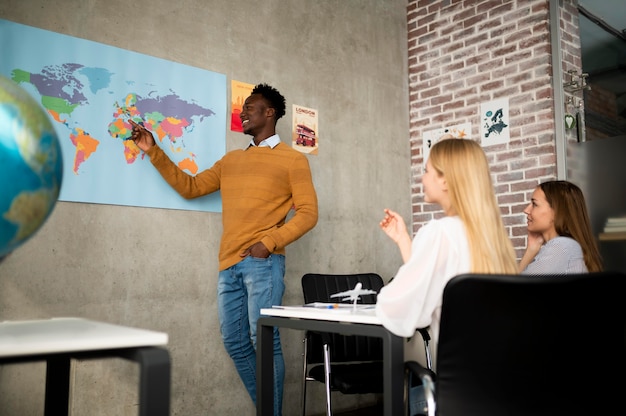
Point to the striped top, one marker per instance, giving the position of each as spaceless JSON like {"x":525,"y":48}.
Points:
{"x":561,"y":255}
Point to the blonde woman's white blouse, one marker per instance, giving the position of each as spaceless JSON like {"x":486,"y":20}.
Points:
{"x":413,"y":298}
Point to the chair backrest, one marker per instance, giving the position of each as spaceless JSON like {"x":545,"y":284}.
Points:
{"x":532,"y":345}
{"x":318,"y":288}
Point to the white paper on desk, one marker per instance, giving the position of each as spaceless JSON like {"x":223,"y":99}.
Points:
{"x":326,"y":305}
{"x":331,"y":307}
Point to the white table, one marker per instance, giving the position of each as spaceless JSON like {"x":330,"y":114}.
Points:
{"x":341,"y":321}
{"x":59,"y":340}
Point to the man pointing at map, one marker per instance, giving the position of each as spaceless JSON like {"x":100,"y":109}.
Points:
{"x":259,"y":186}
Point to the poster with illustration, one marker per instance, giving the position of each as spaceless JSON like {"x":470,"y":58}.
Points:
{"x":305,"y":130}
{"x":459,"y":131}
{"x":239,"y":91}
{"x":495,"y":124}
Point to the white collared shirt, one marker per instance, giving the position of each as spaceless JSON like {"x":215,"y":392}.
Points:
{"x":271,"y":141}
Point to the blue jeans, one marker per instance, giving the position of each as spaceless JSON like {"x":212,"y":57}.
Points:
{"x":242,"y":290}
{"x":417,"y":401}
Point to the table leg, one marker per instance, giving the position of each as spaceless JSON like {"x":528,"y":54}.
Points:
{"x":57,"y":399}
{"x":393,"y":375}
{"x":154,"y":384}
{"x":393,"y":357}
{"x":265,"y":370}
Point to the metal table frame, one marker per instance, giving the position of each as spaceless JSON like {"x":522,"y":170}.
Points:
{"x":58,"y":341}
{"x":393,"y":356}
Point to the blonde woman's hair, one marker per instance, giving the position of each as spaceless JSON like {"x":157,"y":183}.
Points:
{"x":464,"y":165}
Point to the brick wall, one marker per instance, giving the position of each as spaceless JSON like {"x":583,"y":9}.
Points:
{"x":464,"y":53}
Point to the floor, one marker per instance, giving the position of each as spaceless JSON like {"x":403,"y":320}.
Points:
{"x":370,"y":411}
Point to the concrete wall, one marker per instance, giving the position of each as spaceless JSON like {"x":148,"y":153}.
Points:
{"x":157,"y":269}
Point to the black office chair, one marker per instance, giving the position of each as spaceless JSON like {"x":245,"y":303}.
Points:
{"x":349,"y":364}
{"x":530,"y":345}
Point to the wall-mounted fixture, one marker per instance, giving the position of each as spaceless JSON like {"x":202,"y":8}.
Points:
{"x":574,"y":112}
{"x":573,"y":103}
{"x":577,"y":82}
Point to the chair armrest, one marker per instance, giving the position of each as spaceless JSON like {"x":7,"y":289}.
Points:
{"x":420,"y":371}
{"x":426,"y":338}
{"x":427,"y":378}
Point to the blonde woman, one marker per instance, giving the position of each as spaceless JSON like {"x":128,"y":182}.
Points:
{"x":470,"y":238}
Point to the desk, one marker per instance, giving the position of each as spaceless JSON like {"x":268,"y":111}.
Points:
{"x":58,"y":340}
{"x":362,"y":322}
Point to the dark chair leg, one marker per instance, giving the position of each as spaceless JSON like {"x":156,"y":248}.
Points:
{"x":327,"y":378}
{"x":304,"y":375}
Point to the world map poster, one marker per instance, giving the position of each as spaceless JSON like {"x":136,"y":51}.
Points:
{"x":91,"y":91}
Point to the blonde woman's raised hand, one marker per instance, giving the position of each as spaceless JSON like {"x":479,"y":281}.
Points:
{"x":393,"y":225}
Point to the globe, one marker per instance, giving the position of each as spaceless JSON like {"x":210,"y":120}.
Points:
{"x":31,"y":166}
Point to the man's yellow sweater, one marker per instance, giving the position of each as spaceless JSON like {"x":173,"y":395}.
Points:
{"x":258,"y":185}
